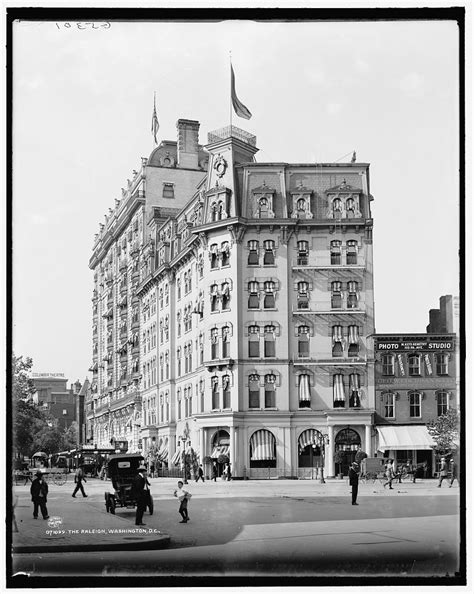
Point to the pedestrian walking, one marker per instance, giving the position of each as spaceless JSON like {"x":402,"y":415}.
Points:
{"x":39,"y":495}
{"x":214,"y":472}
{"x":389,"y":473}
{"x":453,"y":467}
{"x":78,"y":478}
{"x":227,"y":474}
{"x":183,"y":497}
{"x":411,"y":470}
{"x":354,"y":481}
{"x":200,"y":474}
{"x":141,"y":490}
{"x":443,"y":471}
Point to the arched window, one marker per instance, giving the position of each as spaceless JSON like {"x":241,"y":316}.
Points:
{"x":337,"y":341}
{"x":336,"y":259}
{"x":303,"y":295}
{"x":269,"y":341}
{"x":336,"y":295}
{"x":269,"y":254}
{"x":414,"y":364}
{"x":225,"y":342}
{"x":351,"y":252}
{"x":303,"y":341}
{"x":253,"y":253}
{"x":303,"y":253}
{"x":214,"y":255}
{"x":215,"y":393}
{"x":350,"y":208}
{"x":254,"y":391}
{"x":304,"y":392}
{"x":337,"y":208}
{"x":263,"y":449}
{"x":269,"y":299}
{"x":225,"y":251}
{"x":214,"y":298}
{"x":254,"y":300}
{"x":263,"y":208}
{"x":339,"y":397}
{"x":352,"y":294}
{"x":225,"y":295}
{"x":254,"y":341}
{"x":214,"y":343}
{"x":226,"y":391}
{"x":270,"y":399}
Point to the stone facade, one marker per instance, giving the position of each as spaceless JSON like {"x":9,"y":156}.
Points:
{"x":249,"y":307}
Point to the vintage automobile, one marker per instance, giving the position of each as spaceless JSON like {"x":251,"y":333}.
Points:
{"x":122,"y":470}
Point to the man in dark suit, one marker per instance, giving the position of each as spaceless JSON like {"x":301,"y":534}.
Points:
{"x":354,"y":481}
{"x":141,"y":489}
{"x":39,"y":495}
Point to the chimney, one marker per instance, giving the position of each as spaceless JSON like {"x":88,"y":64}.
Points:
{"x":188,"y":149}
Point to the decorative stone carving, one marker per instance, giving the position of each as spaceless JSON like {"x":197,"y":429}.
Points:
{"x":220,"y":166}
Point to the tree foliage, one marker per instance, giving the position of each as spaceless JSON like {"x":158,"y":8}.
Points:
{"x":23,"y":386}
{"x":445,"y":432}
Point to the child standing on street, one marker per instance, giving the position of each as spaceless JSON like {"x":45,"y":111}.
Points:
{"x":183,"y":497}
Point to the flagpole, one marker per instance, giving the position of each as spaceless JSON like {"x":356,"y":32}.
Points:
{"x":230,"y":94}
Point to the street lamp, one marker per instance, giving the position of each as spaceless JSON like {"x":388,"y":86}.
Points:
{"x":323,"y":441}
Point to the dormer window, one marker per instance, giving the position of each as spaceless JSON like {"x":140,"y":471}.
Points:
{"x":168,"y":190}
{"x":337,"y":208}
{"x":263,"y":208}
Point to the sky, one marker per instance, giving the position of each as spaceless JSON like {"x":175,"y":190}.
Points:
{"x":82,"y":106}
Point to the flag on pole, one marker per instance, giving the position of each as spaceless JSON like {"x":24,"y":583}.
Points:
{"x":154,"y":121}
{"x":239,"y":107}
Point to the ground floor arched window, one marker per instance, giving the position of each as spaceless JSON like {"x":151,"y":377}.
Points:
{"x":309,"y":449}
{"x":262,"y":449}
{"x":347,"y":443}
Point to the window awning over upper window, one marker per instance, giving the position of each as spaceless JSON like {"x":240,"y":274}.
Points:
{"x":404,"y":437}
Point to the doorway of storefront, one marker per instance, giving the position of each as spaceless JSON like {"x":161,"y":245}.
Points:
{"x":347,"y":443}
{"x":220,"y":450}
{"x":424,"y":459}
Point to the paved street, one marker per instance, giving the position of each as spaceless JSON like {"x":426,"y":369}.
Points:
{"x":241,"y":528}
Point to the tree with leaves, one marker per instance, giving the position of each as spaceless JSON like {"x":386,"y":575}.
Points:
{"x":23,"y":386}
{"x":445,"y":432}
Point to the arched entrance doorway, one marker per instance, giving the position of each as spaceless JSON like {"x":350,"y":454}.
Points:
{"x":347,"y":443}
{"x":220,"y":449}
{"x":262,"y":449}
{"x":309,"y":449}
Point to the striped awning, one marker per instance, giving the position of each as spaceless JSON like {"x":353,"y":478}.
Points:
{"x":177,"y":457}
{"x":220,"y":451}
{"x":163,"y":454}
{"x":308,"y":437}
{"x":263,"y":445}
{"x":337,"y":334}
{"x":303,"y":389}
{"x":338,"y":388}
{"x":353,"y":335}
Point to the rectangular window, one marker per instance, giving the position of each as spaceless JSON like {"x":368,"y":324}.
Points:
{"x":226,"y":392}
{"x":414,"y":365}
{"x":254,"y":347}
{"x":442,"y":364}
{"x":215,"y":396}
{"x":269,"y":255}
{"x":168,"y":190}
{"x":389,"y":406}
{"x":253,"y":253}
{"x":415,"y":405}
{"x":254,"y":392}
{"x":442,"y":398}
{"x":388,"y":364}
{"x":270,"y":401}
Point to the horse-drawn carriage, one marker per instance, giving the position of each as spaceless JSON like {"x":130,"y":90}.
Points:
{"x":122,"y":470}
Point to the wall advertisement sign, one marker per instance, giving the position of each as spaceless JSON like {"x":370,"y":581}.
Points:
{"x":415,"y":345}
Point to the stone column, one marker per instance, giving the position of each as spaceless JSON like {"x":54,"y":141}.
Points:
{"x":368,"y":440}
{"x":329,"y":469}
{"x":201,"y":444}
{"x":232,"y":449}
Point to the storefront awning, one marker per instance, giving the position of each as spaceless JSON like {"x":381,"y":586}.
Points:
{"x":163,"y":454}
{"x":220,"y":451}
{"x":176,"y":458}
{"x":404,"y":437}
{"x":263,"y":446}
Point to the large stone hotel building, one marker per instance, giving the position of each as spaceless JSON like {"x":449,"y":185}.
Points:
{"x":233,"y":309}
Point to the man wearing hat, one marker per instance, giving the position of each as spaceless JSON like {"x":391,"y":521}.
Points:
{"x":39,"y":494}
{"x":141,"y":490}
{"x":354,"y":481}
{"x":443,"y":472}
